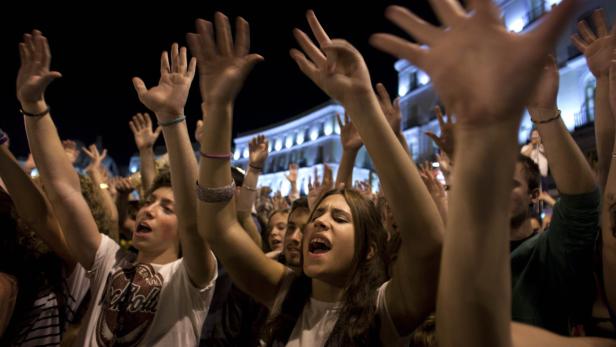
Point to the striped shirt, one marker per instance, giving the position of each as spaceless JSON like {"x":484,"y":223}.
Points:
{"x":41,"y":326}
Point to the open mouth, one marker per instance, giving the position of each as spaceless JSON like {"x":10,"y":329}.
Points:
{"x":276,"y":242}
{"x":319,"y":245}
{"x":143,"y":228}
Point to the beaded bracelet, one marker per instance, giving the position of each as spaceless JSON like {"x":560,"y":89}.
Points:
{"x":218,"y":194}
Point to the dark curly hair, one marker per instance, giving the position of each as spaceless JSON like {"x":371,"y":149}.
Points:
{"x":357,"y":323}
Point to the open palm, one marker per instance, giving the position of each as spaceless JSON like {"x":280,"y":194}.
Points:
{"x":476,"y":50}
{"x":223,"y":64}
{"x":168,"y":98}
{"x":34,"y":75}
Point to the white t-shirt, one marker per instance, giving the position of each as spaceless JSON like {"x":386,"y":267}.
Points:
{"x":318,"y":319}
{"x":537,"y":154}
{"x":42,"y":324}
{"x":127,"y":297}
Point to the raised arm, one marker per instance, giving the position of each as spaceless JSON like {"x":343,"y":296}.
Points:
{"x":167,"y":101}
{"x":224,"y":64}
{"x":257,"y":149}
{"x":141,"y":126}
{"x":340,"y":71}
{"x":393,"y":115}
{"x":568,"y":166}
{"x":446,"y":140}
{"x":351,"y":143}
{"x":608,"y":212}
{"x":95,"y":171}
{"x":474,"y":303}
{"x":33,"y":207}
{"x":57,"y":173}
{"x":292,"y":178}
{"x":598,"y":49}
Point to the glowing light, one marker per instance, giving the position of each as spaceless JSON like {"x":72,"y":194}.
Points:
{"x":300,"y":138}
{"x":550,"y":3}
{"x":328,"y":129}
{"x":35,"y":172}
{"x":436,"y":164}
{"x":337,"y":127}
{"x":269,"y":146}
{"x":278,"y":145}
{"x":314,"y":133}
{"x":236,"y":154}
{"x":245,"y":153}
{"x":423,"y":78}
{"x":517,"y":25}
{"x":133,"y":169}
{"x":288,"y":142}
{"x":403,"y":88}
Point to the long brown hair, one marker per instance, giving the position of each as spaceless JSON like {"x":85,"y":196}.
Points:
{"x":356,"y":321}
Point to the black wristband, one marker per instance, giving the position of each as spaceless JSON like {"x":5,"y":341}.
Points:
{"x":46,"y":111}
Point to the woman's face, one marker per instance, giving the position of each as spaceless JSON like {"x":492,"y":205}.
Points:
{"x":277,"y":226}
{"x":328,"y":245}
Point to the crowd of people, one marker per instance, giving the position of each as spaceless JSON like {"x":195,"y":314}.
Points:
{"x":207,"y":257}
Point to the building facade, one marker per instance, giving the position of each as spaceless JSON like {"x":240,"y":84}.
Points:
{"x":312,"y":138}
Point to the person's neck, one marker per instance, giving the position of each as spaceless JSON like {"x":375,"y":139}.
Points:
{"x":525,"y":230}
{"x":324,"y":291}
{"x":167,"y":256}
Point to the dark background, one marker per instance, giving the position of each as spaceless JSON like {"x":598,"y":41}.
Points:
{"x":98,"y":47}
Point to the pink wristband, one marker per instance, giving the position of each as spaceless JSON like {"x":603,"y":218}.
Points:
{"x":221,"y":156}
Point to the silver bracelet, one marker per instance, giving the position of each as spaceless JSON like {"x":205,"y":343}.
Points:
{"x":218,"y":194}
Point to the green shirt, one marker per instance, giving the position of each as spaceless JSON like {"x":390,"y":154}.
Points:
{"x":551,"y":273}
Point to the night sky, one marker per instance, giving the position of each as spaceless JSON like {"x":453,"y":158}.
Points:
{"x":98,"y":48}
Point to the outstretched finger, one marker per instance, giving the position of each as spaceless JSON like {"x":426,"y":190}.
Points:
{"x":585,"y":31}
{"x":413,"y":25}
{"x":224,"y":39}
{"x":139,"y":87}
{"x":439,"y":116}
{"x":319,"y":33}
{"x":313,"y":52}
{"x":339,"y":120}
{"x":400,"y":48}
{"x":598,"y":18}
{"x":242,"y":37}
{"x":305,"y":65}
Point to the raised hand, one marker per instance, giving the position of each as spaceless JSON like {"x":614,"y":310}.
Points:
{"x":70,"y":148}
{"x":349,"y":137}
{"x":316,"y":187}
{"x":141,"y":126}
{"x":199,"y":130}
{"x":122,"y":185}
{"x":257,"y":151}
{"x":429,"y":178}
{"x":335,"y":66}
{"x":96,"y":157}
{"x":546,"y":90}
{"x":597,"y":48}
{"x":475,"y":49}
{"x":34,"y":75}
{"x":389,"y":108}
{"x":612,"y":95}
{"x":223,"y":63}
{"x":293,"y":172}
{"x":168,"y":98}
{"x":365,"y":188}
{"x":446,"y":141}
{"x":279,"y":202}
